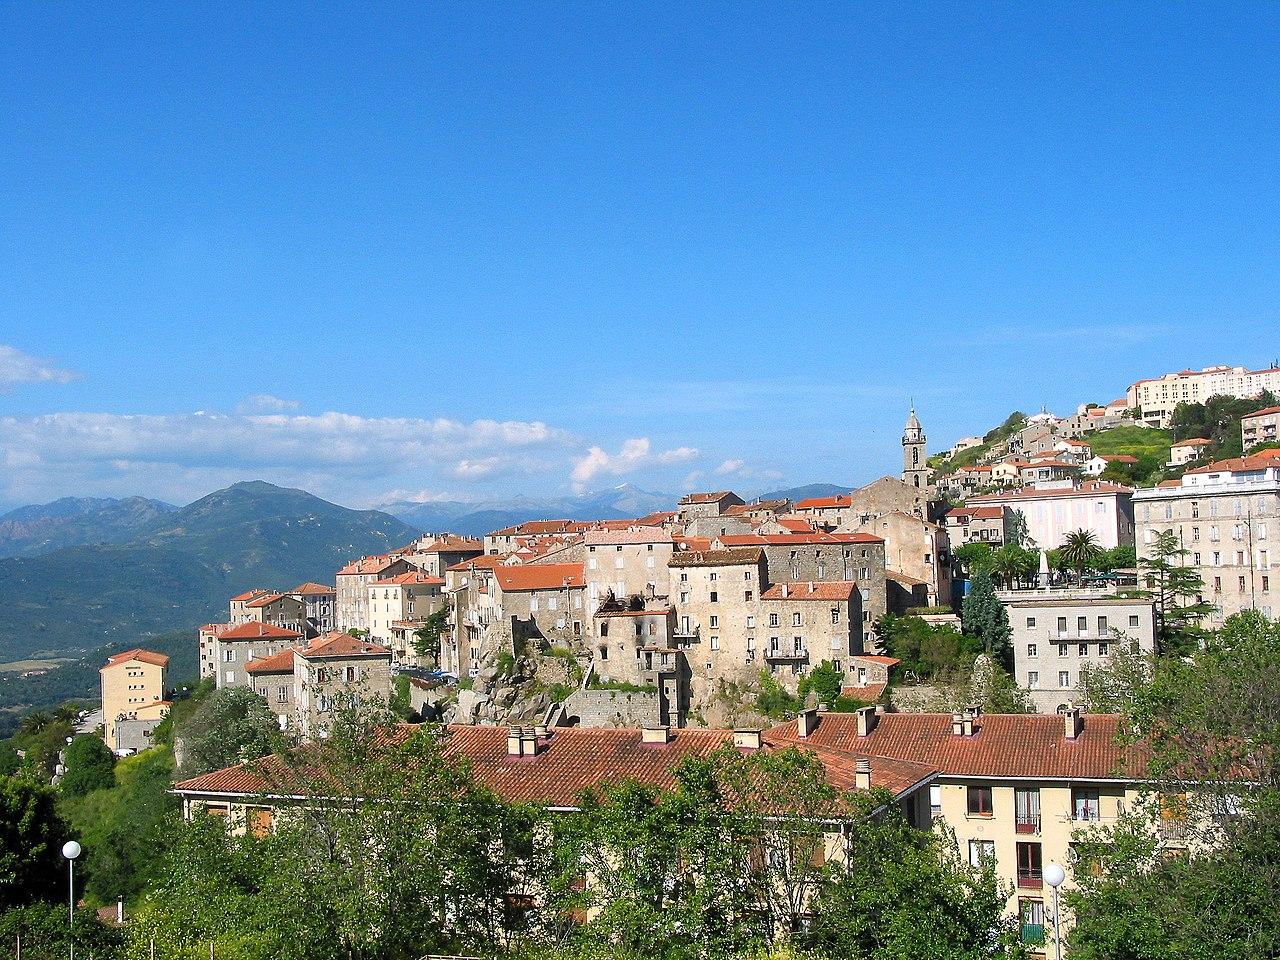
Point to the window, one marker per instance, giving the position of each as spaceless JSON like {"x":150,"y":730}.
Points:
{"x":713,"y":576}
{"x":1104,"y":649}
{"x":1102,"y":626}
{"x":751,"y":622}
{"x":1026,"y":810}
{"x":715,"y":642}
{"x":1084,"y":649}
{"x":1031,"y":649}
{"x":935,"y":800}
{"x":751,"y":644}
{"x":773,"y":619}
{"x":1062,"y":649}
{"x":1031,"y":922}
{"x":978,"y":801}
{"x":1033,"y":678}
{"x":981,"y":851}
{"x":1029,"y":865}
{"x":1085,"y":804}
{"x":746,"y":574}
{"x":1082,"y":624}
{"x":1062,"y":625}
{"x":282,"y":694}
{"x":715,"y":597}
{"x":835,"y":613}
{"x":1133,"y":620}
{"x":1031,"y":621}
{"x":747,"y":595}
{"x":715,"y":621}
{"x":795,"y":619}
{"x":1064,"y":679}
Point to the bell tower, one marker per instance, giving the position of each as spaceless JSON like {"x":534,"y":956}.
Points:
{"x":915,"y":468}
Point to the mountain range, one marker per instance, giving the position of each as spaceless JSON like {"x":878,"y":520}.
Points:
{"x":74,"y":521}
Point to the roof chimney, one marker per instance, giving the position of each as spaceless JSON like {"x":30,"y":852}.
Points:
{"x":513,"y":741}
{"x":862,"y":774}
{"x":540,"y":731}
{"x":1074,"y":722}
{"x":528,"y":742}
{"x":957,"y":725}
{"x":786,"y":590}
{"x":867,"y":720}
{"x":656,"y":735}
{"x":966,"y":724}
{"x":806,"y":722}
{"x":746,"y":739}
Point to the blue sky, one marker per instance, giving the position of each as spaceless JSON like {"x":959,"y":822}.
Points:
{"x":481,"y":249}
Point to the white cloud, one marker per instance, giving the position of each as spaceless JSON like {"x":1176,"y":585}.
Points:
{"x":481,"y":467}
{"x":265,"y":403}
{"x":18,"y":369}
{"x":729,"y":466}
{"x":635,"y":454}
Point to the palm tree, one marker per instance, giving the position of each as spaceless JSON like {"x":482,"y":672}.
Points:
{"x":1006,"y":564}
{"x":1081,"y":551}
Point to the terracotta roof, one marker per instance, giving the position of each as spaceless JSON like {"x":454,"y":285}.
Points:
{"x":217,"y":629}
{"x":612,"y":537}
{"x":367,"y":565}
{"x":818,"y":503}
{"x":249,"y":595}
{"x":281,"y":662}
{"x":1090,"y":488}
{"x":137,"y":653}
{"x":1004,"y":745}
{"x":413,"y":577}
{"x":486,"y":562}
{"x":534,"y":527}
{"x":1075,"y":443}
{"x":657,"y":519}
{"x":867,"y":693}
{"x":571,"y":761}
{"x":811,"y":590}
{"x":1201,"y":441}
{"x":903,"y":579}
{"x":794,"y":539}
{"x":795,"y":526}
{"x":265,"y":600}
{"x":716,"y":558}
{"x":876,"y":658}
{"x":540,"y":576}
{"x":1257,"y":461}
{"x":691,"y":543}
{"x":714,"y":496}
{"x":1265,"y":412}
{"x":343,"y":645}
{"x":309,"y":589}
{"x":452,"y":544}
{"x":255,"y":630}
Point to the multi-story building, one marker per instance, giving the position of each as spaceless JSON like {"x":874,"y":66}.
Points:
{"x":338,"y":671}
{"x":913,"y":548}
{"x":1053,"y":510}
{"x":1042,"y":469}
{"x":1262,"y":426}
{"x":1088,"y":418}
{"x":695,"y":506}
{"x":238,"y":606}
{"x":353,"y":587}
{"x":509,"y":539}
{"x":1158,"y":397}
{"x":1057,"y":633}
{"x":626,"y":563}
{"x":1227,"y":517}
{"x":437,"y":554}
{"x":975,"y":525}
{"x":915,"y":458}
{"x":206,"y":636}
{"x":272,"y":678}
{"x":319,"y":607}
{"x":1182,"y":452}
{"x":235,"y":648}
{"x":133,"y":689}
{"x":400,"y":605}
{"x":540,"y":602}
{"x":278,"y":609}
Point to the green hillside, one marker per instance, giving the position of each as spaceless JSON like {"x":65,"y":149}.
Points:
{"x":1130,"y":441}
{"x":179,"y":573}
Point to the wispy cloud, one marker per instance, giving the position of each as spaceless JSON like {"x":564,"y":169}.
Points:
{"x":18,"y":369}
{"x":634,"y":455}
{"x":730,"y":466}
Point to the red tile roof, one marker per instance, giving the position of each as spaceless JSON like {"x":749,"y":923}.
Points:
{"x":819,"y":503}
{"x":137,"y":653}
{"x":811,"y":590}
{"x":1265,"y":412}
{"x":367,"y":565}
{"x":486,"y":562}
{"x":876,"y":658}
{"x":867,"y":693}
{"x":309,"y":589}
{"x":343,"y":645}
{"x":249,"y":595}
{"x":452,"y":544}
{"x":691,"y":543}
{"x":795,"y":526}
{"x":266,"y":600}
{"x":1004,"y":745}
{"x":413,"y":577}
{"x":716,"y":558}
{"x":1257,"y":461}
{"x":255,"y":630}
{"x":281,"y":662}
{"x":540,"y":576}
{"x":657,"y":519}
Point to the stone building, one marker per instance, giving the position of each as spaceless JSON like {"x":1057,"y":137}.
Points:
{"x":236,"y":647}
{"x":437,"y":554}
{"x":1227,"y":517}
{"x":914,"y":548}
{"x":542,"y":603}
{"x":238,"y":610}
{"x":915,"y":459}
{"x":695,"y":506}
{"x":272,"y":678}
{"x":338,"y":671}
{"x":626,"y":563}
{"x":206,"y":637}
{"x":279,"y":610}
{"x":353,"y":587}
{"x":976,"y":525}
{"x":133,"y":687}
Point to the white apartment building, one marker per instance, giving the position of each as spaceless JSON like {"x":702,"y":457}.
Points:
{"x":1057,"y":633}
{"x":1227,"y":516}
{"x":1052,"y":510}
{"x":1158,"y":397}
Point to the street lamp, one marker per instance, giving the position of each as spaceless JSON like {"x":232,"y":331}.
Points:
{"x":1053,"y":876}
{"x":71,"y":850}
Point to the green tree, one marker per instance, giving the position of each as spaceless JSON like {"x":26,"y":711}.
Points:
{"x":1113,"y":686}
{"x":426,"y":639}
{"x":44,"y":932}
{"x":974,"y":556}
{"x":1176,"y":589}
{"x":90,"y":766}
{"x":1018,"y":531}
{"x":1080,"y":551}
{"x":233,"y":724}
{"x":825,"y":681}
{"x":985,"y":618}
{"x":31,"y":838}
{"x":926,"y":649}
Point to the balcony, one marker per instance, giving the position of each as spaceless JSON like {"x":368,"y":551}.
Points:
{"x":787,"y":655}
{"x":1027,"y":824}
{"x":1029,"y":879}
{"x":1174,"y":831}
{"x":1033,"y":934}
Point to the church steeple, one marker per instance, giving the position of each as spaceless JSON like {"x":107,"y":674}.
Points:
{"x":915,"y":468}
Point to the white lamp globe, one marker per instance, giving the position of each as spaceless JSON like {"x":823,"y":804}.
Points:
{"x":1054,"y":875}
{"x":71,"y":849}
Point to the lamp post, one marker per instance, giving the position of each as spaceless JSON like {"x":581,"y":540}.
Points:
{"x":1053,"y":876}
{"x":71,"y":850}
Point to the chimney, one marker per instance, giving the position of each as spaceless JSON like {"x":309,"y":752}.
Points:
{"x":656,"y":735}
{"x":528,"y":742}
{"x":867,"y":719}
{"x":786,"y":590}
{"x":513,"y":741}
{"x":540,"y":731}
{"x":811,"y":586}
{"x":806,"y":722}
{"x":862,"y":774}
{"x":1074,"y":721}
{"x":966,"y":724}
{"x":957,"y":725}
{"x":745,"y":739}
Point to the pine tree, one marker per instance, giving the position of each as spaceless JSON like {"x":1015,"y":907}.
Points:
{"x":985,"y":617}
{"x":1176,"y":589}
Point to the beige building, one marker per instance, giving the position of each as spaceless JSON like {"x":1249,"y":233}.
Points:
{"x":626,"y":563}
{"x":975,"y":525}
{"x":1056,"y":634}
{"x":278,"y":609}
{"x":273,"y":679}
{"x":338,"y":671}
{"x":436,"y":554}
{"x":1182,"y":452}
{"x":207,"y":636}
{"x":238,"y":606}
{"x":1260,"y":427}
{"x":1158,"y":397}
{"x":1227,"y":517}
{"x":401,"y":604}
{"x":353,"y":587}
{"x":913,"y":548}
{"x":236,"y":647}
{"x":133,"y":688}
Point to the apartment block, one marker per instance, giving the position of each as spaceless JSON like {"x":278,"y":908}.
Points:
{"x":1158,"y":397}
{"x":1053,"y":510}
{"x":235,"y":648}
{"x":1260,"y":427}
{"x":133,"y":687}
{"x":353,"y":587}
